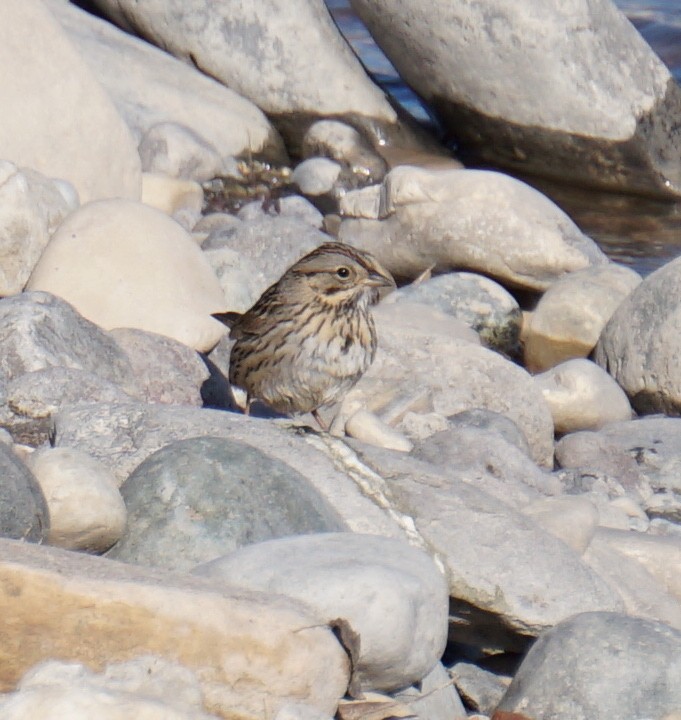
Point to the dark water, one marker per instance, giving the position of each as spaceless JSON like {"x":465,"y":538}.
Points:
{"x":638,"y":232}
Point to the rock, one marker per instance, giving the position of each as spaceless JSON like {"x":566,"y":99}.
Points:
{"x":582,"y":396}
{"x":174,"y":112}
{"x":571,"y":314}
{"x":66,"y":126}
{"x":272,"y":244}
{"x":595,"y":452}
{"x":476,"y":300}
{"x":122,"y":436}
{"x":392,"y":596}
{"x":197,"y":499}
{"x":494,"y":421}
{"x":367,"y":427}
{"x":316,"y":175}
{"x":122,"y":264}
{"x":495,"y":557}
{"x":149,"y":688}
{"x":587,"y":102}
{"x":86,"y":510}
{"x":417,"y":350}
{"x":482,"y":690}
{"x":640,"y":343}
{"x":39,"y":330}
{"x":164,"y":370}
{"x":572,"y":519}
{"x":342,"y":143}
{"x":363,"y":203}
{"x":32,"y":399}
{"x":23,"y":511}
{"x":237,"y":275}
{"x":305,"y":80}
{"x":434,"y":698}
{"x":31,"y":207}
{"x":296,"y":206}
{"x":487,"y":460}
{"x":431,"y":217}
{"x":247,"y":650}
{"x":583,"y":670}
{"x":181,"y":199}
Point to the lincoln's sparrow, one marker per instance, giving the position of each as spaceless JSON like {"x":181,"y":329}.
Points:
{"x":309,"y":337}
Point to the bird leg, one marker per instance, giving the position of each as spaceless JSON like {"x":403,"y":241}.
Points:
{"x":322,"y":424}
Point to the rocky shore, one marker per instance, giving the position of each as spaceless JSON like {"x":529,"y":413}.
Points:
{"x":491,"y":528}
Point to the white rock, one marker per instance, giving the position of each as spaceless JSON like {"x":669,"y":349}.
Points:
{"x":453,"y":219}
{"x":31,"y":207}
{"x":571,"y":314}
{"x":237,"y":276}
{"x":582,"y":396}
{"x":87,"y":511}
{"x":123,"y":264}
{"x":362,"y":203}
{"x":66,"y":126}
{"x":182,"y":200}
{"x":316,"y":175}
{"x":390,"y":593}
{"x":150,"y":87}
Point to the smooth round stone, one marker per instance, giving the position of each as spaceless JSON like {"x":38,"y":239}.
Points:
{"x":237,"y":276}
{"x":23,"y":511}
{"x":582,"y":396}
{"x":391,"y":594}
{"x":641,"y":343}
{"x":599,"y":665}
{"x":124,"y":264}
{"x":367,"y":427}
{"x":197,"y":499}
{"x":316,"y":175}
{"x":86,"y":509}
{"x":571,"y":314}
{"x":478,"y":301}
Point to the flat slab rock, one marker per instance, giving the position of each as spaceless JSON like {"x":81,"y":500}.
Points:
{"x":249,"y":650}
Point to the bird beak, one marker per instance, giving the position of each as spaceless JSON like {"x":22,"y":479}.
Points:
{"x":380,"y":279}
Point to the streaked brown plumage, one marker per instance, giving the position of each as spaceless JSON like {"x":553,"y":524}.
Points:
{"x":309,"y":337}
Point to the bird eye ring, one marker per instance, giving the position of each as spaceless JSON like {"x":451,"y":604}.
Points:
{"x":343,"y":273}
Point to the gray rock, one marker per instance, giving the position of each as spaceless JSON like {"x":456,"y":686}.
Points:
{"x":122,"y":436}
{"x":476,"y":300}
{"x":494,"y":421}
{"x":391,"y":594}
{"x":200,"y":498}
{"x":316,"y":175}
{"x":271,"y":243}
{"x":32,"y":399}
{"x":482,"y":690}
{"x":164,"y":369}
{"x":310,"y":70}
{"x":641,"y":343}
{"x":237,"y":275}
{"x":430,"y":217}
{"x":149,"y":87}
{"x":435,"y":698}
{"x":39,"y":330}
{"x":496,"y":559}
{"x":484,"y":458}
{"x":584,"y":100}
{"x":599,"y":666}
{"x":23,"y":510}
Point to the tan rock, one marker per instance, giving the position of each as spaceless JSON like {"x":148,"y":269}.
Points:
{"x":123,"y":264}
{"x":181,"y":199}
{"x":571,"y":314}
{"x":571,"y":518}
{"x":249,"y":650}
{"x":87,"y":511}
{"x":57,"y":119}
{"x":582,"y":396}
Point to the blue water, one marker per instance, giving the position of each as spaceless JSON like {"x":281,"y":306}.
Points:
{"x":641,"y":233}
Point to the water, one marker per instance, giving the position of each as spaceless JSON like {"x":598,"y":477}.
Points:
{"x":638,"y":232}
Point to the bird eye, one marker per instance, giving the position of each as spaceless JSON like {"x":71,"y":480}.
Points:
{"x":343,"y":273}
